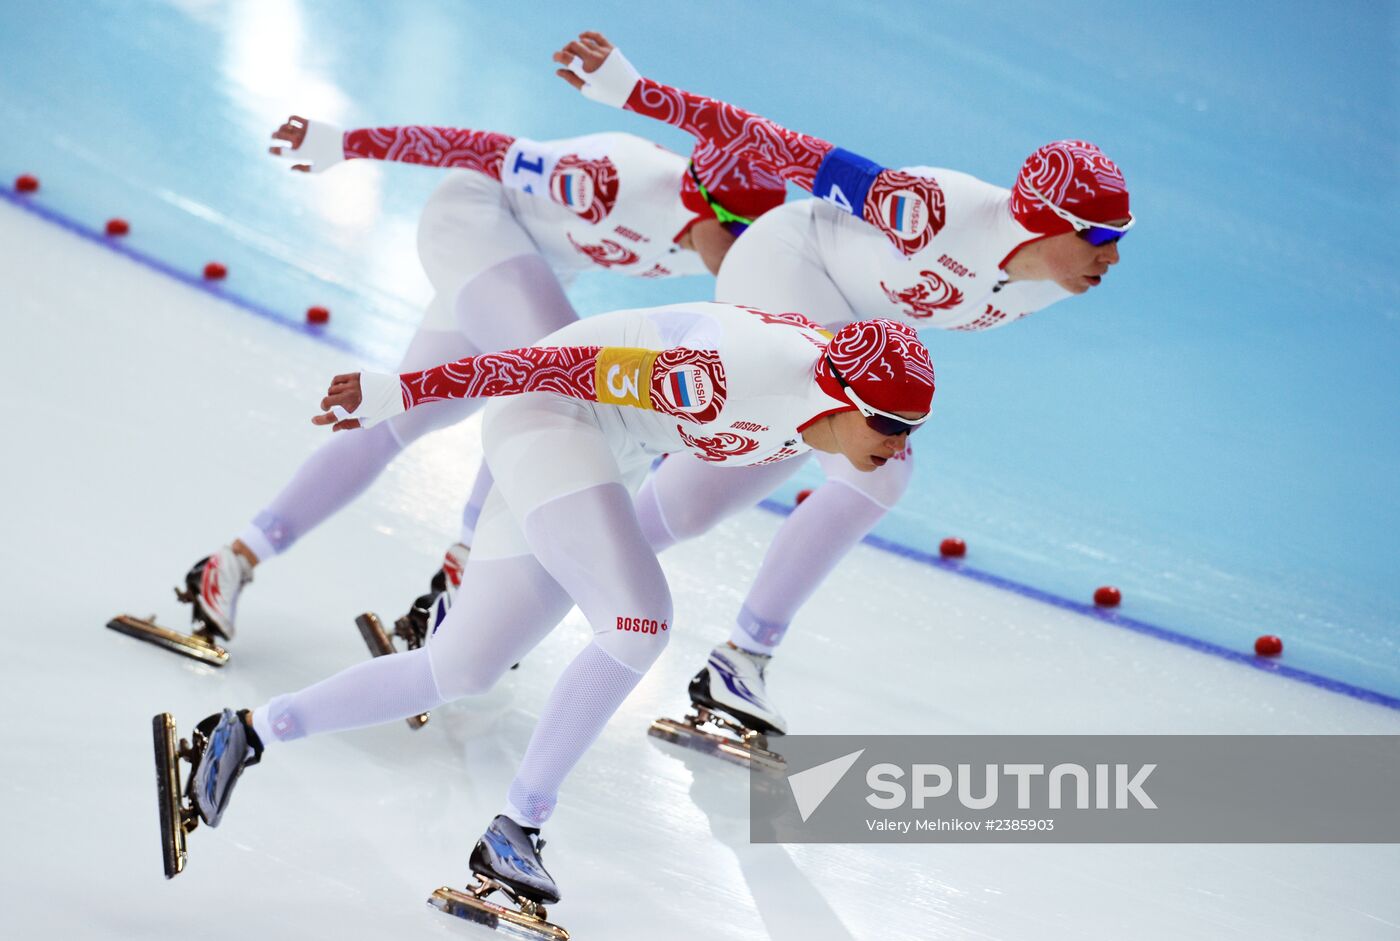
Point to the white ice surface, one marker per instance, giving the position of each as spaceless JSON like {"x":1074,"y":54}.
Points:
{"x":148,"y":422}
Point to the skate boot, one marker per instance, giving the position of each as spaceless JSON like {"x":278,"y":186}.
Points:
{"x":732,"y":682}
{"x":212,"y":586}
{"x":449,"y":577}
{"x":413,"y":629}
{"x":222,"y":746}
{"x":729,"y":696}
{"x":506,"y":860}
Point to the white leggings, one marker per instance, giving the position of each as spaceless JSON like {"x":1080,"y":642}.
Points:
{"x":776,"y":265}
{"x":584,"y":546}
{"x":492,"y":291}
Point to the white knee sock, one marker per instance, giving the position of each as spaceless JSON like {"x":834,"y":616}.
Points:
{"x":588,"y":692}
{"x":369,"y":693}
{"x":807,"y":547}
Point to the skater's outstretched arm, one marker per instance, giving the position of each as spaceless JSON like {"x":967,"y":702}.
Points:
{"x":612,"y":375}
{"x":314,"y":146}
{"x":908,"y":209}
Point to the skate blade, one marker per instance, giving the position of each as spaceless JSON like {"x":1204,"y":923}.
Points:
{"x":196,"y":646}
{"x":175,"y":823}
{"x":728,"y":748}
{"x":377,"y":640}
{"x":511,"y":922}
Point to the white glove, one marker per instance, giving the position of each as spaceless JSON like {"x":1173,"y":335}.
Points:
{"x":322,"y":148}
{"x":381,"y":398}
{"x":613,"y":81}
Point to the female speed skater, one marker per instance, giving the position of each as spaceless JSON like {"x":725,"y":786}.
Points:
{"x":499,"y":239}
{"x":930,"y":247}
{"x":578,"y":425}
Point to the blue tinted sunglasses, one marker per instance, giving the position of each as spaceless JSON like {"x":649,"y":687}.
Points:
{"x":1095,"y":233}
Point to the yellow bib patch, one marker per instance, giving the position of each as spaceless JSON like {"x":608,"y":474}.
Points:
{"x":623,"y":376}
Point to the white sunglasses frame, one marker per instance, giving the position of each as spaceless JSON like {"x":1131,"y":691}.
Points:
{"x":1080,"y":225}
{"x":866,"y":409}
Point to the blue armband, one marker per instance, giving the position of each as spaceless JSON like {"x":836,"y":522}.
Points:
{"x":845,"y":178}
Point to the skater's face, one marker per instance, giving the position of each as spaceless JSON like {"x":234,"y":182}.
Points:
{"x":1067,"y":259}
{"x":866,"y":448}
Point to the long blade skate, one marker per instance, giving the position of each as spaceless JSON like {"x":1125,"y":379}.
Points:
{"x":724,"y":738}
{"x":526,"y":921}
{"x":379,"y":644}
{"x":177,"y":819}
{"x":199,"y":644}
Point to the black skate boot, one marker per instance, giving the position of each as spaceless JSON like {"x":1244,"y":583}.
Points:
{"x":506,"y":859}
{"x":223,"y":745}
{"x":510,"y":854}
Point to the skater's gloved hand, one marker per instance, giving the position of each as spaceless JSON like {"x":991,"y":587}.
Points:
{"x":598,"y":69}
{"x":315,"y":145}
{"x":360,"y":400}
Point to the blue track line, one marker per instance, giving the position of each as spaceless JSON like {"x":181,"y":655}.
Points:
{"x":1111,"y":617}
{"x":30,"y":204}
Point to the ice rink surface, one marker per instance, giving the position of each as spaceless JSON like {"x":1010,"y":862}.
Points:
{"x":147,"y":421}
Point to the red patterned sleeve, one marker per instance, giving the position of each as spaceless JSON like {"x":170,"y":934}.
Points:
{"x":482,"y":151}
{"x":907,"y":209}
{"x":729,"y":136}
{"x":684,"y":383}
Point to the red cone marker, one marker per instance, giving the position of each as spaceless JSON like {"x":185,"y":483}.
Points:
{"x":952,"y":548}
{"x":117,"y":227}
{"x":802,"y":495}
{"x":214,"y":271}
{"x":318,"y":314}
{"x":1268,"y":646}
{"x":26,"y":183}
{"x":1107,"y":597}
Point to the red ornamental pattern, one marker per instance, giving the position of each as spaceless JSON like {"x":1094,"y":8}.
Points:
{"x":880,"y":350}
{"x":1068,"y":173}
{"x":991,"y":317}
{"x":482,"y":151}
{"x":776,"y":456}
{"x":788,"y":318}
{"x":603,"y":176}
{"x":730,"y":137}
{"x":709,"y":363}
{"x":935,"y":210}
{"x":718,"y":448}
{"x":609,"y":254}
{"x":563,"y":370}
{"x":924,"y":299}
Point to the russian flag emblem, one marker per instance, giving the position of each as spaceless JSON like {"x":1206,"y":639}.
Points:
{"x":905,"y":213}
{"x":688,"y":388}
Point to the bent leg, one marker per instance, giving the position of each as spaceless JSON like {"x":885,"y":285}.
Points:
{"x":810,"y":543}
{"x":557,"y":472}
{"x":591,"y":543}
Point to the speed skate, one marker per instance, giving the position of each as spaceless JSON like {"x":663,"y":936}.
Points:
{"x":526,"y":920}
{"x":201,"y":643}
{"x":507,"y":859}
{"x":211,"y":589}
{"x":220,"y":748}
{"x":714,"y":734}
{"x":730,"y":714}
